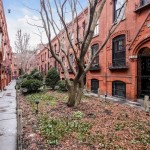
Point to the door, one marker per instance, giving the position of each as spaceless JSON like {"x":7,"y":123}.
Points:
{"x":144,"y":88}
{"x":143,"y":72}
{"x":94,"y":86}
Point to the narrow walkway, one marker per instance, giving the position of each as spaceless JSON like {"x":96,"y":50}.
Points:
{"x":8,"y":120}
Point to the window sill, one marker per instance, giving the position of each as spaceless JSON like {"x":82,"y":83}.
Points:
{"x":95,"y":67}
{"x":94,"y":36}
{"x":70,"y":71}
{"x":115,"y":22}
{"x":118,"y":68}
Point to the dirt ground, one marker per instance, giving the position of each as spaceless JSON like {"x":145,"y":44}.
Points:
{"x":112,"y":126}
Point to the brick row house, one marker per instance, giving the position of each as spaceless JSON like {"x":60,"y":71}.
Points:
{"x":5,"y":51}
{"x":122,"y":68}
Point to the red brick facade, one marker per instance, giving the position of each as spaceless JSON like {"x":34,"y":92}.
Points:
{"x":5,"y":51}
{"x":119,"y":70}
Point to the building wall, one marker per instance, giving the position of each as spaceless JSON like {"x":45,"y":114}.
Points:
{"x":5,"y":52}
{"x":136,"y":28}
{"x":129,"y":26}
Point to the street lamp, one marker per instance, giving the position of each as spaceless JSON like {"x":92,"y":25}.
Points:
{"x":37,"y":108}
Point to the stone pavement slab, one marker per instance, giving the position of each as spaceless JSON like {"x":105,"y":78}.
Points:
{"x":8,"y":118}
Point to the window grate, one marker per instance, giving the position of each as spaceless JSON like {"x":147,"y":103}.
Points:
{"x":119,"y":89}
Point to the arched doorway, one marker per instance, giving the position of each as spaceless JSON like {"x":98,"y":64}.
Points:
{"x":143,"y":72}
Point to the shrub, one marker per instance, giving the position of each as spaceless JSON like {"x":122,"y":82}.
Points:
{"x":33,"y":71}
{"x":25,"y":75}
{"x":62,"y":85}
{"x":37,"y":75}
{"x":52,"y":78}
{"x":19,"y":82}
{"x":31,"y":85}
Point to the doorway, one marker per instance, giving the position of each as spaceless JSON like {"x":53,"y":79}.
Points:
{"x":143,"y":72}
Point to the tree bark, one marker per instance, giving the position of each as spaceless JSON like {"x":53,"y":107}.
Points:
{"x":75,"y":93}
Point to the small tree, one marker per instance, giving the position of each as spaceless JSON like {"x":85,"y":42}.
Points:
{"x":52,"y":78}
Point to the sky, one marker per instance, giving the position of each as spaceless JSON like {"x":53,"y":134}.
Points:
{"x":20,"y":16}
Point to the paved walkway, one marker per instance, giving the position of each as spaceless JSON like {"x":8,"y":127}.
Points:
{"x":8,"y":120}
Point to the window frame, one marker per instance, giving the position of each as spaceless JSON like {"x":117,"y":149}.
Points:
{"x":115,"y":10}
{"x":118,"y":51}
{"x":71,"y":59}
{"x":96,"y":30}
{"x":116,"y":90}
{"x":93,"y":47}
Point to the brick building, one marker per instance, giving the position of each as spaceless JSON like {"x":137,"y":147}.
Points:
{"x":122,"y":68}
{"x":5,"y":51}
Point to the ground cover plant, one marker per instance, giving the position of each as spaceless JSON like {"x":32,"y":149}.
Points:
{"x":93,"y":125}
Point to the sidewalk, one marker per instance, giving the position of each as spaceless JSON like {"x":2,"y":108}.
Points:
{"x":8,"y":120}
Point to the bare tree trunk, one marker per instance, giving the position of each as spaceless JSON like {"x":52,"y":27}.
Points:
{"x":75,"y":93}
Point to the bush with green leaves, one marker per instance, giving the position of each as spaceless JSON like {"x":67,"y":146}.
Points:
{"x":25,"y":75}
{"x":31,"y":85}
{"x":33,"y":71}
{"x":62,"y":85}
{"x":37,"y":75}
{"x":52,"y":78}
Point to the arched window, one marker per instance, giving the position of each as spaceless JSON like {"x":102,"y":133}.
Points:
{"x":119,"y":89}
{"x":119,"y":51}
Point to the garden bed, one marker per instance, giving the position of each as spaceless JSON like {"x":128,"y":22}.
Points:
{"x":94,"y":125}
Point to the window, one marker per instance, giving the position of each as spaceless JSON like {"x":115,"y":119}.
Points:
{"x":71,"y":59}
{"x":45,"y":56}
{"x":96,"y":30}
{"x":48,"y":66}
{"x":63,"y":60}
{"x":143,"y":2}
{"x":119,"y":51}
{"x":71,"y":36}
{"x":118,"y":9}
{"x":55,"y":48}
{"x":119,"y":89}
{"x":45,"y":69}
{"x":94,"y":86}
{"x":94,"y":48}
{"x":78,"y":32}
{"x":84,"y":28}
{"x":63,"y":43}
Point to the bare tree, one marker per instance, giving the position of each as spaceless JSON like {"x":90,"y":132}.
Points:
{"x":82,"y":46}
{"x":22,"y":47}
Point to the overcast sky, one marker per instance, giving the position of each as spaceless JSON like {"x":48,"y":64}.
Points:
{"x":20,"y":14}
